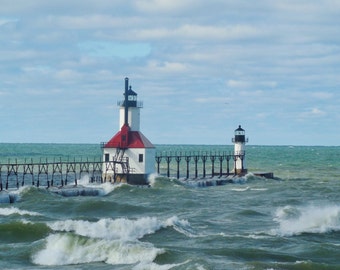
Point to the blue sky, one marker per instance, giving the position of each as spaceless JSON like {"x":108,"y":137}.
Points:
{"x":200,"y":67}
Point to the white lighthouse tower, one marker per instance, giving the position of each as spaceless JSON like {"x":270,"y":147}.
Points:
{"x":130,"y":152}
{"x":239,"y":141}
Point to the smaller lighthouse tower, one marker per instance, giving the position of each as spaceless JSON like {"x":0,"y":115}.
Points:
{"x":129,"y":156}
{"x":240,"y":141}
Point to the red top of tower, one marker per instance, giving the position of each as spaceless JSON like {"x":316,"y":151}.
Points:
{"x":126,"y":138}
{"x":136,"y":139}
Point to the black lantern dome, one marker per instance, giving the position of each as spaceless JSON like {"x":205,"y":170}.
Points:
{"x":240,"y":135}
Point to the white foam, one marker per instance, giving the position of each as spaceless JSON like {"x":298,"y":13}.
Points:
{"x":181,"y":226}
{"x":107,"y":188}
{"x":84,"y":180}
{"x":16,"y":211}
{"x":67,"y":249}
{"x":104,"y":188}
{"x":307,"y":219}
{"x":122,"y":228}
{"x":152,"y":179}
{"x":114,"y":241}
{"x":241,"y":189}
{"x":154,"y":266}
{"x":259,"y":189}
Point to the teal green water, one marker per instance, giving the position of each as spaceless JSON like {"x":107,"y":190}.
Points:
{"x":291,"y":222}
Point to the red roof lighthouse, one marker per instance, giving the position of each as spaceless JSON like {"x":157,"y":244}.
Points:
{"x":129,"y":145}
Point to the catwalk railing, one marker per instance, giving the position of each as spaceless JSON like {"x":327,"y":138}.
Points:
{"x":59,"y":173}
{"x":54,"y":173}
{"x":197,"y":163}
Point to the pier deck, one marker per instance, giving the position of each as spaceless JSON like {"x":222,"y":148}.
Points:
{"x":195,"y":164}
{"x":188,"y":165}
{"x":52,"y":173}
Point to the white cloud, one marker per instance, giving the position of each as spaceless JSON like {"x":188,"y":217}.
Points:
{"x":278,"y":61}
{"x":208,"y":33}
{"x":95,"y":21}
{"x":312,"y":113}
{"x":114,"y":49}
{"x":238,"y":84}
{"x":166,"y":67}
{"x":164,"y":6}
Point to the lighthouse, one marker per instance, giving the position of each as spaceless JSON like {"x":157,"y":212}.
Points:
{"x":239,"y":141}
{"x":128,"y":156}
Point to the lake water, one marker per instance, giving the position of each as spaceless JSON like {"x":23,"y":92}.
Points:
{"x":290,"y":222}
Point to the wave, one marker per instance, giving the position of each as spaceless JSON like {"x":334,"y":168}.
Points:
{"x":240,"y":189}
{"x":122,"y":228}
{"x":159,"y":181}
{"x":104,"y":189}
{"x":67,"y":249}
{"x":22,"y":231}
{"x":113,"y":241}
{"x":14,"y":195}
{"x":85,"y":188}
{"x":16,"y":211}
{"x":307,"y":219}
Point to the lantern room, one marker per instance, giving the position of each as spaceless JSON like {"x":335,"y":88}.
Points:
{"x":239,"y":135}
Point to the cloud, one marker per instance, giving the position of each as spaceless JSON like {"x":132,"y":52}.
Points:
{"x":312,"y":113}
{"x":275,"y":63}
{"x":208,"y":33}
{"x":166,"y":67}
{"x":113,"y":49}
{"x":164,"y":6}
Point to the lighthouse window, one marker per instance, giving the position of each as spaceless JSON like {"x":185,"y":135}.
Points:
{"x":107,"y":157}
{"x":140,"y":159}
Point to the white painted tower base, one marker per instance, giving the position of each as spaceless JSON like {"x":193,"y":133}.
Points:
{"x":239,"y":141}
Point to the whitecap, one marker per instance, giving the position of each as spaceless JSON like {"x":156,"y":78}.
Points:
{"x":307,"y":219}
{"x":103,"y":188}
{"x":152,"y":179}
{"x":181,"y":226}
{"x":240,"y":189}
{"x":113,"y":241}
{"x":154,"y":266}
{"x":259,"y":189}
{"x":68,"y":249}
{"x":106,"y":228}
{"x":16,"y":211}
{"x":121,"y":228}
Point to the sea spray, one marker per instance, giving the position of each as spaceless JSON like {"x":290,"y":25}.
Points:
{"x":107,"y":228}
{"x":114,"y":241}
{"x":308,"y":219}
{"x":67,"y":249}
{"x":120,"y":228}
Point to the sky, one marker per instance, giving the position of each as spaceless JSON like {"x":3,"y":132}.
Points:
{"x":200,"y":67}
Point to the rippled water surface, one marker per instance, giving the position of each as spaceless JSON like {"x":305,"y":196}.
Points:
{"x":290,"y":222}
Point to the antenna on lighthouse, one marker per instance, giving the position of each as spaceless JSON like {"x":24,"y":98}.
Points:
{"x":126,"y":106}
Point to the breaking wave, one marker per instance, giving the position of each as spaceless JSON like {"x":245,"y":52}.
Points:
{"x":113,"y":241}
{"x":66,"y":249}
{"x":16,"y":211}
{"x":308,"y":219}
